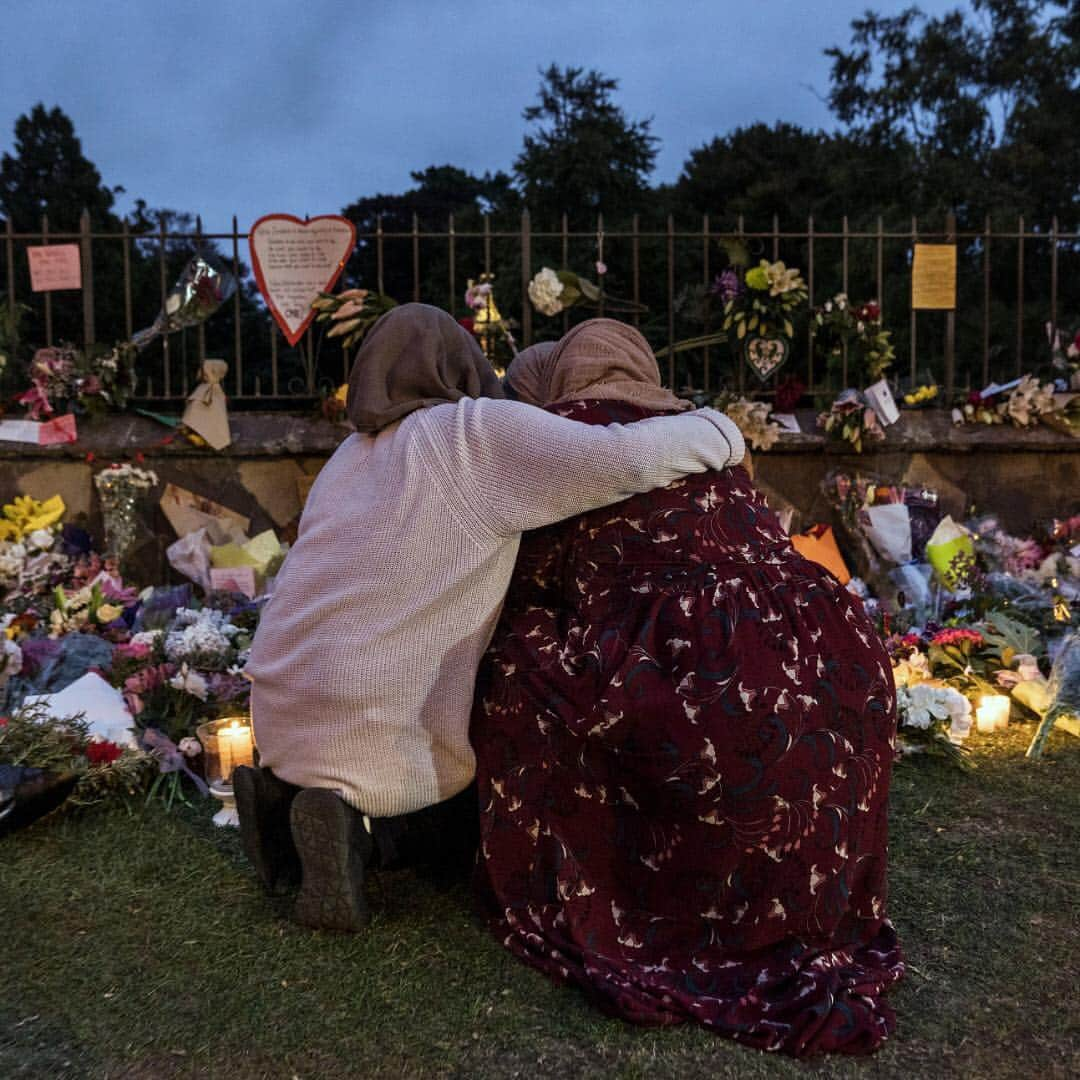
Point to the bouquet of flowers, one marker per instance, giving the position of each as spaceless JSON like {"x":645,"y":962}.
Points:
{"x":1023,"y":403}
{"x":65,"y":379}
{"x":838,"y":323}
{"x":202,"y":287}
{"x":764,"y":301}
{"x":487,"y":322}
{"x":851,"y":420}
{"x":751,"y":418}
{"x":352,"y":312}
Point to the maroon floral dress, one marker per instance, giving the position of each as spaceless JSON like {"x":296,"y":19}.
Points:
{"x":684,"y":734}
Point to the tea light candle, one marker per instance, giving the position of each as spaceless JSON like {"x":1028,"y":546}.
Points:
{"x":992,"y":713}
{"x":235,"y":747}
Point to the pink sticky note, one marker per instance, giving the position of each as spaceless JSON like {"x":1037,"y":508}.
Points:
{"x":239,"y":579}
{"x":61,"y":429}
{"x":54,"y":266}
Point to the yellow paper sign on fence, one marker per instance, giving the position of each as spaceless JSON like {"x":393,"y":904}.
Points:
{"x":933,"y":277}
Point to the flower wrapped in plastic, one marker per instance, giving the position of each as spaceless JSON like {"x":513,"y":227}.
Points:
{"x":202,"y":287}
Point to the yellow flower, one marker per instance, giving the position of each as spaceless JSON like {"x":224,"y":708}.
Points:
{"x":342,"y":393}
{"x":25,"y":515}
{"x":108,"y":612}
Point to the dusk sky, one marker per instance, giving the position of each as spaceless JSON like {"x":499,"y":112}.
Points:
{"x":256,"y":106}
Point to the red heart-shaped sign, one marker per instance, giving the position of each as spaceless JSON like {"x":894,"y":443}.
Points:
{"x":295,"y":260}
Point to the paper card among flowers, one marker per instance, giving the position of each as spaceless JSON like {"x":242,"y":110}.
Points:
{"x":879,"y":397}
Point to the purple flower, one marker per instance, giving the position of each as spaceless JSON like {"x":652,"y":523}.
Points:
{"x":727,"y":285}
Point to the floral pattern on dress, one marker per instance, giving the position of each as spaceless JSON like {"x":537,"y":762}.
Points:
{"x":684,"y":734}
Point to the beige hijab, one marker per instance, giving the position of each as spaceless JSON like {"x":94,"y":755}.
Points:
{"x":415,"y":356}
{"x":598,"y":359}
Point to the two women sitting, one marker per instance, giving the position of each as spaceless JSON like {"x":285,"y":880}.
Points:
{"x":682,"y":731}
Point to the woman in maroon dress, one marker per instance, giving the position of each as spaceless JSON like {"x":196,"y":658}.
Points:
{"x":684,"y":733}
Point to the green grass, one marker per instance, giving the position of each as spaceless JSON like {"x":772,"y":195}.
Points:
{"x":142,"y":947}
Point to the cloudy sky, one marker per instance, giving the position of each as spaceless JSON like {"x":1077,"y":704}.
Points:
{"x":256,"y":106}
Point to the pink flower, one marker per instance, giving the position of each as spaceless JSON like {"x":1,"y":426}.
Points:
{"x":37,"y":401}
{"x":601,"y":268}
{"x":956,"y":637}
{"x":132,"y":650}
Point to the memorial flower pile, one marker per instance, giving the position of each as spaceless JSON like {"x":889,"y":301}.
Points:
{"x":64,"y":379}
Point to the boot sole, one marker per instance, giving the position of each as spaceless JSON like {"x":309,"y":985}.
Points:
{"x":334,"y":848}
{"x":265,"y":832}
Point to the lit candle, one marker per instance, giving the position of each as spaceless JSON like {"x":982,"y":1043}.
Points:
{"x":992,"y":713}
{"x":235,"y":747}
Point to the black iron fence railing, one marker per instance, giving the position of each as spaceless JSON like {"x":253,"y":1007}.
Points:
{"x":1014,"y":286}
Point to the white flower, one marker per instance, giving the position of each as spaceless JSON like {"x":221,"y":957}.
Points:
{"x":189,"y":747}
{"x":40,"y":540}
{"x":146,"y":637}
{"x":545,"y":290}
{"x":921,"y":705}
{"x":10,"y":660}
{"x":205,"y":635}
{"x":191,"y":682}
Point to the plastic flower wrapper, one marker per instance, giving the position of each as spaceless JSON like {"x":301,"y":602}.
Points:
{"x":1064,"y":694}
{"x":913,"y":580}
{"x":949,"y":541}
{"x":202,"y":287}
{"x":888,"y":528}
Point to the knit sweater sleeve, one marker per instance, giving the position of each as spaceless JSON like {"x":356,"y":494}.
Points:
{"x":509,"y":467}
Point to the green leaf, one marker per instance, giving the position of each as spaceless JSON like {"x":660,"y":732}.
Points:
{"x":588,"y":289}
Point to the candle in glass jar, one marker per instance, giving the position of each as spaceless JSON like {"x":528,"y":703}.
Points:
{"x":992,"y":713}
{"x":235,"y":747}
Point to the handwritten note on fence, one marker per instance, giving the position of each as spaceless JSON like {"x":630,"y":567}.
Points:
{"x":295,"y":260}
{"x":54,"y":266}
{"x":933,"y":277}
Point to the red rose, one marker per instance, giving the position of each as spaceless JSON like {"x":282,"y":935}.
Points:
{"x":872,"y":311}
{"x":103,"y":753}
{"x":468,"y":324}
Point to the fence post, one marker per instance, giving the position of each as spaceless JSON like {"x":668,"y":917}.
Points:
{"x":914,"y":320}
{"x":87,"y":253}
{"x":128,"y":324}
{"x":810,"y":301}
{"x":986,"y":305}
{"x":1020,"y":297}
{"x":9,"y":247}
{"x":565,"y":263}
{"x":635,"y":252}
{"x":200,"y":336}
{"x":238,"y":348}
{"x":950,"y":320}
{"x":415,"y":258}
{"x":1053,"y":276}
{"x":706,"y":359}
{"x":671,"y":301}
{"x":526,"y":273}
{"x":162,"y":237}
{"x":451,"y":255}
{"x":600,"y":258}
{"x":48,"y":295}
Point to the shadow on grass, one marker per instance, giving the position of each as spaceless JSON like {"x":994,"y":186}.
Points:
{"x":141,"y":946}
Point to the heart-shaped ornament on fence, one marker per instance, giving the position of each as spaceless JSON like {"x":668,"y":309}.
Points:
{"x":295,"y":260}
{"x":766,"y":355}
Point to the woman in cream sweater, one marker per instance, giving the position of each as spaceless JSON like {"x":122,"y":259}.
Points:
{"x":365,"y":658}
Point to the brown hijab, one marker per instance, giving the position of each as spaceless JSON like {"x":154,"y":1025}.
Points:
{"x":599,"y":358}
{"x":415,"y":356}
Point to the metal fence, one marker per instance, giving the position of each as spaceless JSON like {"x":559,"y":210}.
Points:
{"x":1010,"y":291}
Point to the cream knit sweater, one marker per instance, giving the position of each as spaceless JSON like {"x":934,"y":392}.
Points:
{"x":365,"y":658}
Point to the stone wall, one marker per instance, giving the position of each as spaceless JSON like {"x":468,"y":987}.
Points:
{"x":1021,"y":475}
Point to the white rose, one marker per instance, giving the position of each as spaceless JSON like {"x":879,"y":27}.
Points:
{"x":545,"y":290}
{"x":40,"y":540}
{"x":10,"y":660}
{"x":191,"y":682}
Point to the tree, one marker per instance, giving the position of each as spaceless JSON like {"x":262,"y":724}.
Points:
{"x":989,"y":106}
{"x":584,"y":156}
{"x":49,"y":174}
